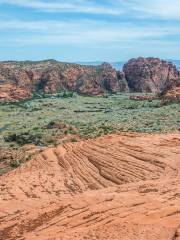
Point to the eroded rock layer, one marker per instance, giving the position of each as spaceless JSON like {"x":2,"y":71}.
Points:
{"x":115,"y":187}
{"x":150,"y":74}
{"x":171,"y":95}
{"x":52,"y":76}
{"x":18,"y":80}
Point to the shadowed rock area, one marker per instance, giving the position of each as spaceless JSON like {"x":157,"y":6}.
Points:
{"x":114,"y":187}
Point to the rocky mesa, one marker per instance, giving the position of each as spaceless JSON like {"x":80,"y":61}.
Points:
{"x":18,"y":80}
{"x":150,"y":75}
{"x":51,"y":76}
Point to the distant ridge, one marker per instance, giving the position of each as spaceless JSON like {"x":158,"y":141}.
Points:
{"x":116,"y":65}
{"x":119,"y":65}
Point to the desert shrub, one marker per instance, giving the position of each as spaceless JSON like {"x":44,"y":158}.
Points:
{"x":14,"y":164}
{"x":35,"y":109}
{"x":74,"y":140}
{"x":152,"y":104}
{"x":24,"y":138}
{"x":48,"y":139}
{"x":98,"y":130}
{"x":65,"y":128}
{"x":56,"y":124}
{"x":10,"y":137}
{"x":67,"y":94}
{"x":37,"y":95}
{"x":105,"y":95}
{"x":134,"y":105}
{"x":106,"y":128}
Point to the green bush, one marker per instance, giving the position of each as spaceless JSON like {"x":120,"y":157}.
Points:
{"x":14,"y":164}
{"x":134,"y":105}
{"x":74,"y":140}
{"x":67,"y":94}
{"x":37,"y":96}
{"x":24,"y":138}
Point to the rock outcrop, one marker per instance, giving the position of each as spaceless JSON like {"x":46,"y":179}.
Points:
{"x":87,"y":80}
{"x":123,"y":85}
{"x":11,"y":92}
{"x":171,"y":95}
{"x":150,"y":74}
{"x":113,"y":187}
{"x":52,"y":76}
{"x":138,"y":75}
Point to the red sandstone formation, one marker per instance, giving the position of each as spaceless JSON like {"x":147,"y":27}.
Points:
{"x":11,"y":92}
{"x":52,"y":76}
{"x":140,"y":75}
{"x":171,"y":95}
{"x":115,"y":187}
{"x":150,"y":74}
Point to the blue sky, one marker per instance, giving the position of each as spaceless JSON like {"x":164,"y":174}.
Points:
{"x":89,"y":30}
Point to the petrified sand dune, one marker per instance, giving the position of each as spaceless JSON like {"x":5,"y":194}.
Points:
{"x":115,"y":187}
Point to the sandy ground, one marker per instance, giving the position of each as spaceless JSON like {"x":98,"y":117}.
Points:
{"x":115,"y":187}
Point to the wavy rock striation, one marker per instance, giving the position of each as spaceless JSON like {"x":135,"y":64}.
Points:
{"x":115,"y":187}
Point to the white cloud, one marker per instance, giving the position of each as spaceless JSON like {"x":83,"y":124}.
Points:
{"x":163,"y":9}
{"x":82,"y":32}
{"x":133,"y":26}
{"x":160,"y":9}
{"x":76,"y":6}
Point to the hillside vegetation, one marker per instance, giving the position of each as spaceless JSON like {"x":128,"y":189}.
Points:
{"x":46,"y":118}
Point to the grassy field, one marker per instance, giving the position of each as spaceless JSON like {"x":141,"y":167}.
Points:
{"x":43,"y":121}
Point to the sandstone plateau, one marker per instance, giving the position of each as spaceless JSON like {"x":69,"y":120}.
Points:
{"x":19,"y":80}
{"x":115,"y":187}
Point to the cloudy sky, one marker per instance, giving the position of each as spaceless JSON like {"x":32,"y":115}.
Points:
{"x":89,"y":30}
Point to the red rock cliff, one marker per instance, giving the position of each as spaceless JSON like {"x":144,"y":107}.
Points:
{"x":150,"y":74}
{"x":52,"y":76}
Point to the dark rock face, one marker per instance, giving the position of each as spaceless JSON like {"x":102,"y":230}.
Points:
{"x":150,"y":74}
{"x":123,"y":85}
